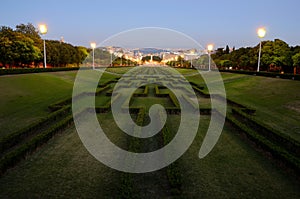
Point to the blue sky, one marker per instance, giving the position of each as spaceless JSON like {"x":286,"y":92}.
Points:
{"x":232,"y":22}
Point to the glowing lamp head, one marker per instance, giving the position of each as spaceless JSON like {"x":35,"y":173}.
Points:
{"x":210,"y":47}
{"x":261,"y":32}
{"x":43,"y":29}
{"x":93,"y":45}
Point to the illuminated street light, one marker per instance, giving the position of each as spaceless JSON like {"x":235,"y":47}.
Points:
{"x":261,"y":32}
{"x":210,"y":47}
{"x":93,"y":46}
{"x":43,"y":30}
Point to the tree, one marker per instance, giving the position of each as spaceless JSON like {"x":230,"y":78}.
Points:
{"x":296,"y":59}
{"x":81,"y":54}
{"x":227,"y":50}
{"x":28,"y":30}
{"x":16,"y":48}
{"x":276,"y":53}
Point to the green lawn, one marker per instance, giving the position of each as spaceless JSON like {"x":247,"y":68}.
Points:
{"x":233,"y":169}
{"x":63,"y":168}
{"x":277,"y":101}
{"x":25,"y":98}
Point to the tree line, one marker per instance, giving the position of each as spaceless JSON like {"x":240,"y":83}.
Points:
{"x":276,"y":56}
{"x":23,"y":47}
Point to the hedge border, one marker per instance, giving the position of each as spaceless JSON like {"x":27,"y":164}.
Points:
{"x":173,"y":170}
{"x":265,"y":74}
{"x":35,"y":70}
{"x":13,"y":157}
{"x":126,"y":185}
{"x":272,"y":134}
{"x":267,"y":145}
{"x":14,"y":138}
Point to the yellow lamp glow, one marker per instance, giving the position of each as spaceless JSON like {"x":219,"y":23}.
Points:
{"x":93,"y":45}
{"x":261,"y":32}
{"x":43,"y":29}
{"x":210,"y":47}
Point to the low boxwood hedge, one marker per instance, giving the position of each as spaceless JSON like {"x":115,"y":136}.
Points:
{"x":14,"y":156}
{"x":266,"y":144}
{"x":16,"y":137}
{"x":34,"y":70}
{"x":265,"y":74}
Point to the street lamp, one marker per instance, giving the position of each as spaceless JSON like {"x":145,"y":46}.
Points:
{"x":93,"y":46}
{"x":111,"y":52}
{"x":121,"y":59}
{"x":210,"y":47}
{"x":181,"y":58}
{"x":43,"y":30}
{"x":261,"y":32}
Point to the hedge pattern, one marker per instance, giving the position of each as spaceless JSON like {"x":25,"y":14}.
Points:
{"x":13,"y":157}
{"x":35,"y":70}
{"x":265,"y":74}
{"x":173,"y":170}
{"x":277,"y":151}
{"x":16,"y":137}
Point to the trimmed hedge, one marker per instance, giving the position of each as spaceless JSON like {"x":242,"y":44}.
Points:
{"x":157,"y":92}
{"x":265,"y":74}
{"x":144,"y":94}
{"x":126,"y":185}
{"x":173,"y":170}
{"x":271,"y":134}
{"x":174,"y":100}
{"x":266,"y":144}
{"x":35,"y":70}
{"x":201,"y":92}
{"x":14,"y":138}
{"x":14,"y":156}
{"x":193,"y":104}
{"x":58,"y":105}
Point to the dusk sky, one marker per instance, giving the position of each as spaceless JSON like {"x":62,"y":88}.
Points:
{"x":231,"y":22}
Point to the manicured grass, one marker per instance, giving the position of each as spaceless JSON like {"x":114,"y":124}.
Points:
{"x":64,"y":168}
{"x":25,"y":98}
{"x":276,"y":100}
{"x":232,"y":170}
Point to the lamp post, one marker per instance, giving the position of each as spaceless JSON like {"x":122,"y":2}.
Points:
{"x":121,"y":59}
{"x":111,"y":52}
{"x":261,"y":32}
{"x":210,"y":47}
{"x":43,"y":30}
{"x":93,"y":46}
{"x":181,"y":58}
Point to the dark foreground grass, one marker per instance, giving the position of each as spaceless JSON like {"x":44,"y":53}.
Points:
{"x":63,"y":168}
{"x":233,"y":169}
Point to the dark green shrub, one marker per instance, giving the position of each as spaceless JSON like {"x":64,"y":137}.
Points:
{"x":34,"y":70}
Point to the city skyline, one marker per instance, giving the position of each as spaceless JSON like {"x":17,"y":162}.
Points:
{"x":232,"y":23}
